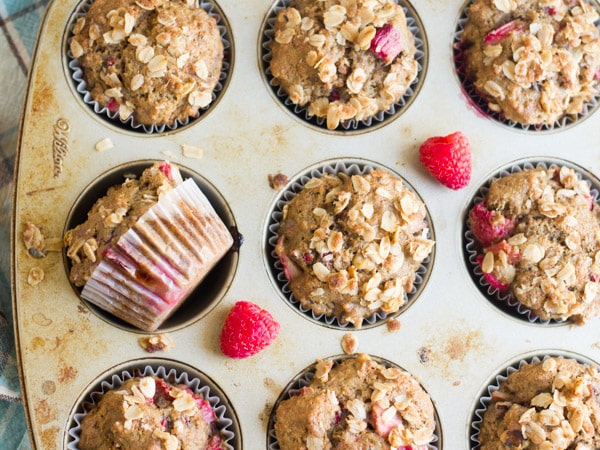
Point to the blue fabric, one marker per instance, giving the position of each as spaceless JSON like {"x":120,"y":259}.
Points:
{"x":19,"y":24}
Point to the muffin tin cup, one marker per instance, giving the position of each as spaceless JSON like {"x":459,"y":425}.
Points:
{"x":481,"y":104}
{"x":275,"y":268}
{"x":484,"y":401}
{"x":213,"y":287}
{"x":305,"y":377}
{"x":350,"y":126}
{"x":504,"y":300}
{"x":173,"y":372}
{"x":80,"y":85}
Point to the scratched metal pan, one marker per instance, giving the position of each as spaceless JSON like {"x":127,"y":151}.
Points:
{"x":453,"y":338}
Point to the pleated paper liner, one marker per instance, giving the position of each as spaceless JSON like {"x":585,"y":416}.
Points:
{"x":504,"y":300}
{"x":154,"y":242}
{"x":351,"y":126}
{"x":75,"y":74}
{"x":176,"y":373}
{"x":275,"y":268}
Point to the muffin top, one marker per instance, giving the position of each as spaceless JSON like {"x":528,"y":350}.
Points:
{"x":356,"y":403}
{"x":547,"y":404}
{"x":148,"y":412}
{"x":158,"y":60}
{"x":343,"y":59}
{"x":534,"y":61}
{"x":351,"y":245}
{"x":113,"y":215}
{"x":539,"y":236}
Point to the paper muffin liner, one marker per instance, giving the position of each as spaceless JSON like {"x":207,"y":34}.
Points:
{"x":481,"y":104}
{"x":76,"y":73}
{"x":349,"y":167}
{"x":305,"y":377}
{"x":505,"y":300}
{"x":421,"y":56}
{"x":154,"y":266}
{"x":176,"y":374}
{"x":485,"y":400}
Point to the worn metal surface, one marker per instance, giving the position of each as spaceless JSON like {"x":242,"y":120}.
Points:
{"x":452,"y":339}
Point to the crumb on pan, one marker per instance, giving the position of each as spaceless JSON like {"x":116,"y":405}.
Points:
{"x":156,"y":342}
{"x":278,"y":181}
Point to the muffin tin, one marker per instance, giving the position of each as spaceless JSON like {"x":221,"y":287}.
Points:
{"x":451,"y":338}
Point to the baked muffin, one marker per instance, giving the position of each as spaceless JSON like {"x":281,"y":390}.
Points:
{"x":148,"y":412}
{"x":351,"y":245}
{"x":343,"y":60}
{"x":538,"y":236}
{"x":533,"y":61}
{"x":158,"y":61}
{"x":145,"y":245}
{"x":356,"y":403}
{"x":549,"y":404}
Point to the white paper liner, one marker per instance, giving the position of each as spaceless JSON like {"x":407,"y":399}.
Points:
{"x":417,"y":30}
{"x":473,"y":249}
{"x":81,"y":86}
{"x":305,"y":377}
{"x":481,"y":104}
{"x":486,"y":398}
{"x":333,"y":167}
{"x":225,"y":418}
{"x":149,"y":272}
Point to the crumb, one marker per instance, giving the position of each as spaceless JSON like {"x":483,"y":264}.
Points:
{"x":456,"y":383}
{"x":278,"y":181}
{"x":104,"y":144}
{"x":35,"y":276}
{"x":393,"y":325}
{"x":34,"y":241}
{"x":157,"y":342}
{"x":424,"y":354}
{"x":189,"y":151}
{"x":349,"y":343}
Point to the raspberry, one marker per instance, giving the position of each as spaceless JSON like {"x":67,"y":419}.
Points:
{"x":495,"y":36}
{"x":387,"y":43}
{"x":248,"y":329}
{"x":448,"y":159}
{"x":489,"y":227}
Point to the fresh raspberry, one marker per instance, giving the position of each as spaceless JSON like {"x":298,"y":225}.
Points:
{"x":491,"y":279}
{"x":448,"y":159}
{"x":247,"y":330}
{"x":497,"y":35}
{"x":387,"y":43}
{"x":489,"y":227}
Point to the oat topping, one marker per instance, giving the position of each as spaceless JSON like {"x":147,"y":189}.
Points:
{"x":545,"y":405}
{"x":548,"y":261}
{"x":130,"y":51}
{"x":535,"y":61}
{"x":360,"y":404}
{"x":152,"y":413}
{"x":351,"y":245}
{"x":343,"y":59}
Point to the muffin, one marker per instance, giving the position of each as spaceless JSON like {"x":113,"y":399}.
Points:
{"x":148,"y":412}
{"x":356,"y":403}
{"x":549,"y":404}
{"x":534,"y":62}
{"x":537,"y":236}
{"x":145,"y":245}
{"x":351,"y":245}
{"x":157,"y":61}
{"x":343,"y":60}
